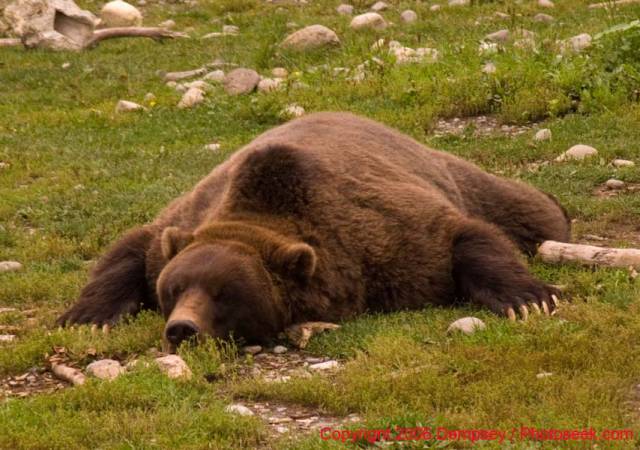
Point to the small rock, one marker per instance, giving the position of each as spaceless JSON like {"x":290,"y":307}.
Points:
{"x":487,"y":48}
{"x":177,"y":76}
{"x":489,"y":68}
{"x":149,"y":97}
{"x":174,"y":366}
{"x":501,"y":15}
{"x":105,"y":369}
{"x":279,"y":349}
{"x":213,"y":147}
{"x":623,"y":163}
{"x":459,"y":2}
{"x":241,"y":81}
{"x":269,"y":84}
{"x":614,"y":184}
{"x":7,"y":337}
{"x":467,"y":325}
{"x":9,"y":266}
{"x":576,"y":43}
{"x":280,"y":72}
{"x":200,"y":84}
{"x":119,"y":13}
{"x":500,"y":36}
{"x":171,"y":84}
{"x":578,"y":152}
{"x":542,"y":135}
{"x":216,"y":76}
{"x":127,"y":106}
{"x":252,"y":349}
{"x":379,"y":6}
{"x":542,"y":375}
{"x":281,"y":429}
{"x":66,"y":65}
{"x":434,"y":8}
{"x":191,"y":98}
{"x":327,"y":365}
{"x":293,"y":111}
{"x":310,"y":38}
{"x":409,"y":16}
{"x":345,"y":10}
{"x":545,"y":4}
{"x":167,"y":24}
{"x":369,"y":20}
{"x":230,"y":30}
{"x":543,"y":18}
{"x":238,"y":409}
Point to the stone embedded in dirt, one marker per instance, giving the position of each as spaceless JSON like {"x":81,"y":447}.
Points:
{"x":269,"y":84}
{"x":409,"y":16}
{"x":213,"y":147}
{"x":280,"y":72}
{"x":105,"y":369}
{"x":500,"y":36}
{"x":177,"y":76}
{"x":7,"y":337}
{"x":241,"y":81}
{"x":279,"y":349}
{"x":119,"y":13}
{"x":238,"y":409}
{"x":489,"y":68}
{"x":293,"y":111}
{"x":252,"y":349}
{"x":369,"y":20}
{"x":9,"y":266}
{"x":379,"y":6}
{"x":216,"y":76}
{"x":127,"y":106}
{"x":311,"y":38}
{"x":542,"y":375}
{"x":326,"y":365}
{"x":543,"y":18}
{"x":194,"y":96}
{"x":167,"y":24}
{"x":545,"y":4}
{"x":344,"y":9}
{"x":459,"y":2}
{"x":543,"y":134}
{"x":467,"y":325}
{"x":578,"y":152}
{"x":174,"y":367}
{"x":576,"y":43}
{"x":434,"y":8}
{"x":614,"y":184}
{"x":623,"y":163}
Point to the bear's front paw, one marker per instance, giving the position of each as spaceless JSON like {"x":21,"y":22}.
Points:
{"x":521,"y":298}
{"x":85,"y":312}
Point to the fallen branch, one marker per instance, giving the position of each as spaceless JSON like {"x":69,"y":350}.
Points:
{"x":119,"y":32}
{"x":612,"y":3}
{"x":10,"y":42}
{"x":559,"y":252}
{"x":70,"y":374}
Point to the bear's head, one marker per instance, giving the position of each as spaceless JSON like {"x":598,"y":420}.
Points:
{"x":221,"y":285}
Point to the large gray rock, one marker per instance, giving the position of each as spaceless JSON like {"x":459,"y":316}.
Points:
{"x":241,"y":81}
{"x":369,"y":20}
{"x":51,"y":24}
{"x":310,"y":38}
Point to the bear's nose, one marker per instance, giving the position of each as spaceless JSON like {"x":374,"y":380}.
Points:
{"x":180,"y":330}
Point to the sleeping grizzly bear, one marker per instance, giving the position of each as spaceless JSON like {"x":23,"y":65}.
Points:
{"x":324,"y":218}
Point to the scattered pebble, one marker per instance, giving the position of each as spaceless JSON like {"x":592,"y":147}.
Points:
{"x":542,"y":375}
{"x":149,"y":97}
{"x":459,"y":2}
{"x":279,"y":349}
{"x":623,"y":163}
{"x":252,"y":349}
{"x":578,"y":152}
{"x":487,"y":48}
{"x":238,"y":409}
{"x":241,"y":81}
{"x":9,"y":266}
{"x":174,"y":366}
{"x":105,"y":369}
{"x":167,"y":24}
{"x":326,"y":365}
{"x":280,"y":72}
{"x":345,"y":10}
{"x":66,"y":65}
{"x":194,"y":96}
{"x":500,"y":36}
{"x":127,"y":106}
{"x":216,"y":76}
{"x":213,"y":147}
{"x":467,"y":325}
{"x":177,"y":76}
{"x":369,"y":20}
{"x":310,"y":38}
{"x":269,"y":84}
{"x":231,"y":30}
{"x":546,"y":4}
{"x":409,"y":16}
{"x":614,"y":184}
{"x":489,"y":68}
{"x":434,"y":8}
{"x":379,"y":6}
{"x":293,"y":111}
{"x":501,"y":15}
{"x":543,"y":134}
{"x":119,"y":13}
{"x":7,"y":337}
{"x":543,"y":18}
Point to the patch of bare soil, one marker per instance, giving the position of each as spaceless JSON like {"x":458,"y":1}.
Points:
{"x":35,"y":381}
{"x":605,"y":192}
{"x":610,"y":234}
{"x":477,"y":126}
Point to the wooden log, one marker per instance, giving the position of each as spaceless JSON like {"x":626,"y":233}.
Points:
{"x":70,"y":374}
{"x":559,"y":252}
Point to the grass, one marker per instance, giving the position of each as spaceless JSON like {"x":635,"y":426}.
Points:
{"x":78,"y":175}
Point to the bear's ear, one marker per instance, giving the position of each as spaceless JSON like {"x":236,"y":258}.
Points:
{"x":298,"y":260}
{"x":173,"y":240}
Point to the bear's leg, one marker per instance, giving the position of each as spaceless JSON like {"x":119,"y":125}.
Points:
{"x":487,"y":271}
{"x":118,"y":285}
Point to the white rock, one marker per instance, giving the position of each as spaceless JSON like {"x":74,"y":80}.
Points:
{"x":327,"y":365}
{"x":216,"y":76}
{"x":545,"y":4}
{"x":623,"y":163}
{"x":241,"y":81}
{"x":238,"y":409}
{"x":269,"y":84}
{"x":280,"y":72}
{"x":127,"y":106}
{"x":213,"y":147}
{"x":230,"y":30}
{"x":252,"y":349}
{"x":459,"y":2}
{"x":489,"y":68}
{"x":345,"y":10}
{"x":66,"y":65}
{"x":543,"y":18}
{"x":279,"y":349}
{"x":174,"y":366}
{"x":105,"y":369}
{"x":119,"y":13}
{"x":293,"y":111}
{"x":379,"y":6}
{"x":177,"y":76}
{"x":7,"y":337}
{"x":171,"y":84}
{"x":434,"y":8}
{"x":200,"y":84}
{"x":9,"y":266}
{"x":543,"y":134}
{"x":542,"y":375}
{"x":191,"y":98}
{"x":499,"y":36}
{"x":369,"y":20}
{"x":614,"y":184}
{"x":311,"y":37}
{"x":167,"y":24}
{"x":577,"y":43}
{"x":467,"y":325}
{"x":578,"y":152}
{"x":409,"y":16}
{"x":149,"y":97}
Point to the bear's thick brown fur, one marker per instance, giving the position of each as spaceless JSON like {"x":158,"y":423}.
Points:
{"x":324,"y":218}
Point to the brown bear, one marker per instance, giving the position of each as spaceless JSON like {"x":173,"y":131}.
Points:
{"x":321,"y":219}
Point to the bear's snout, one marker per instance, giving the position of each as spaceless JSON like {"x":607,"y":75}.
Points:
{"x":178,"y":331}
